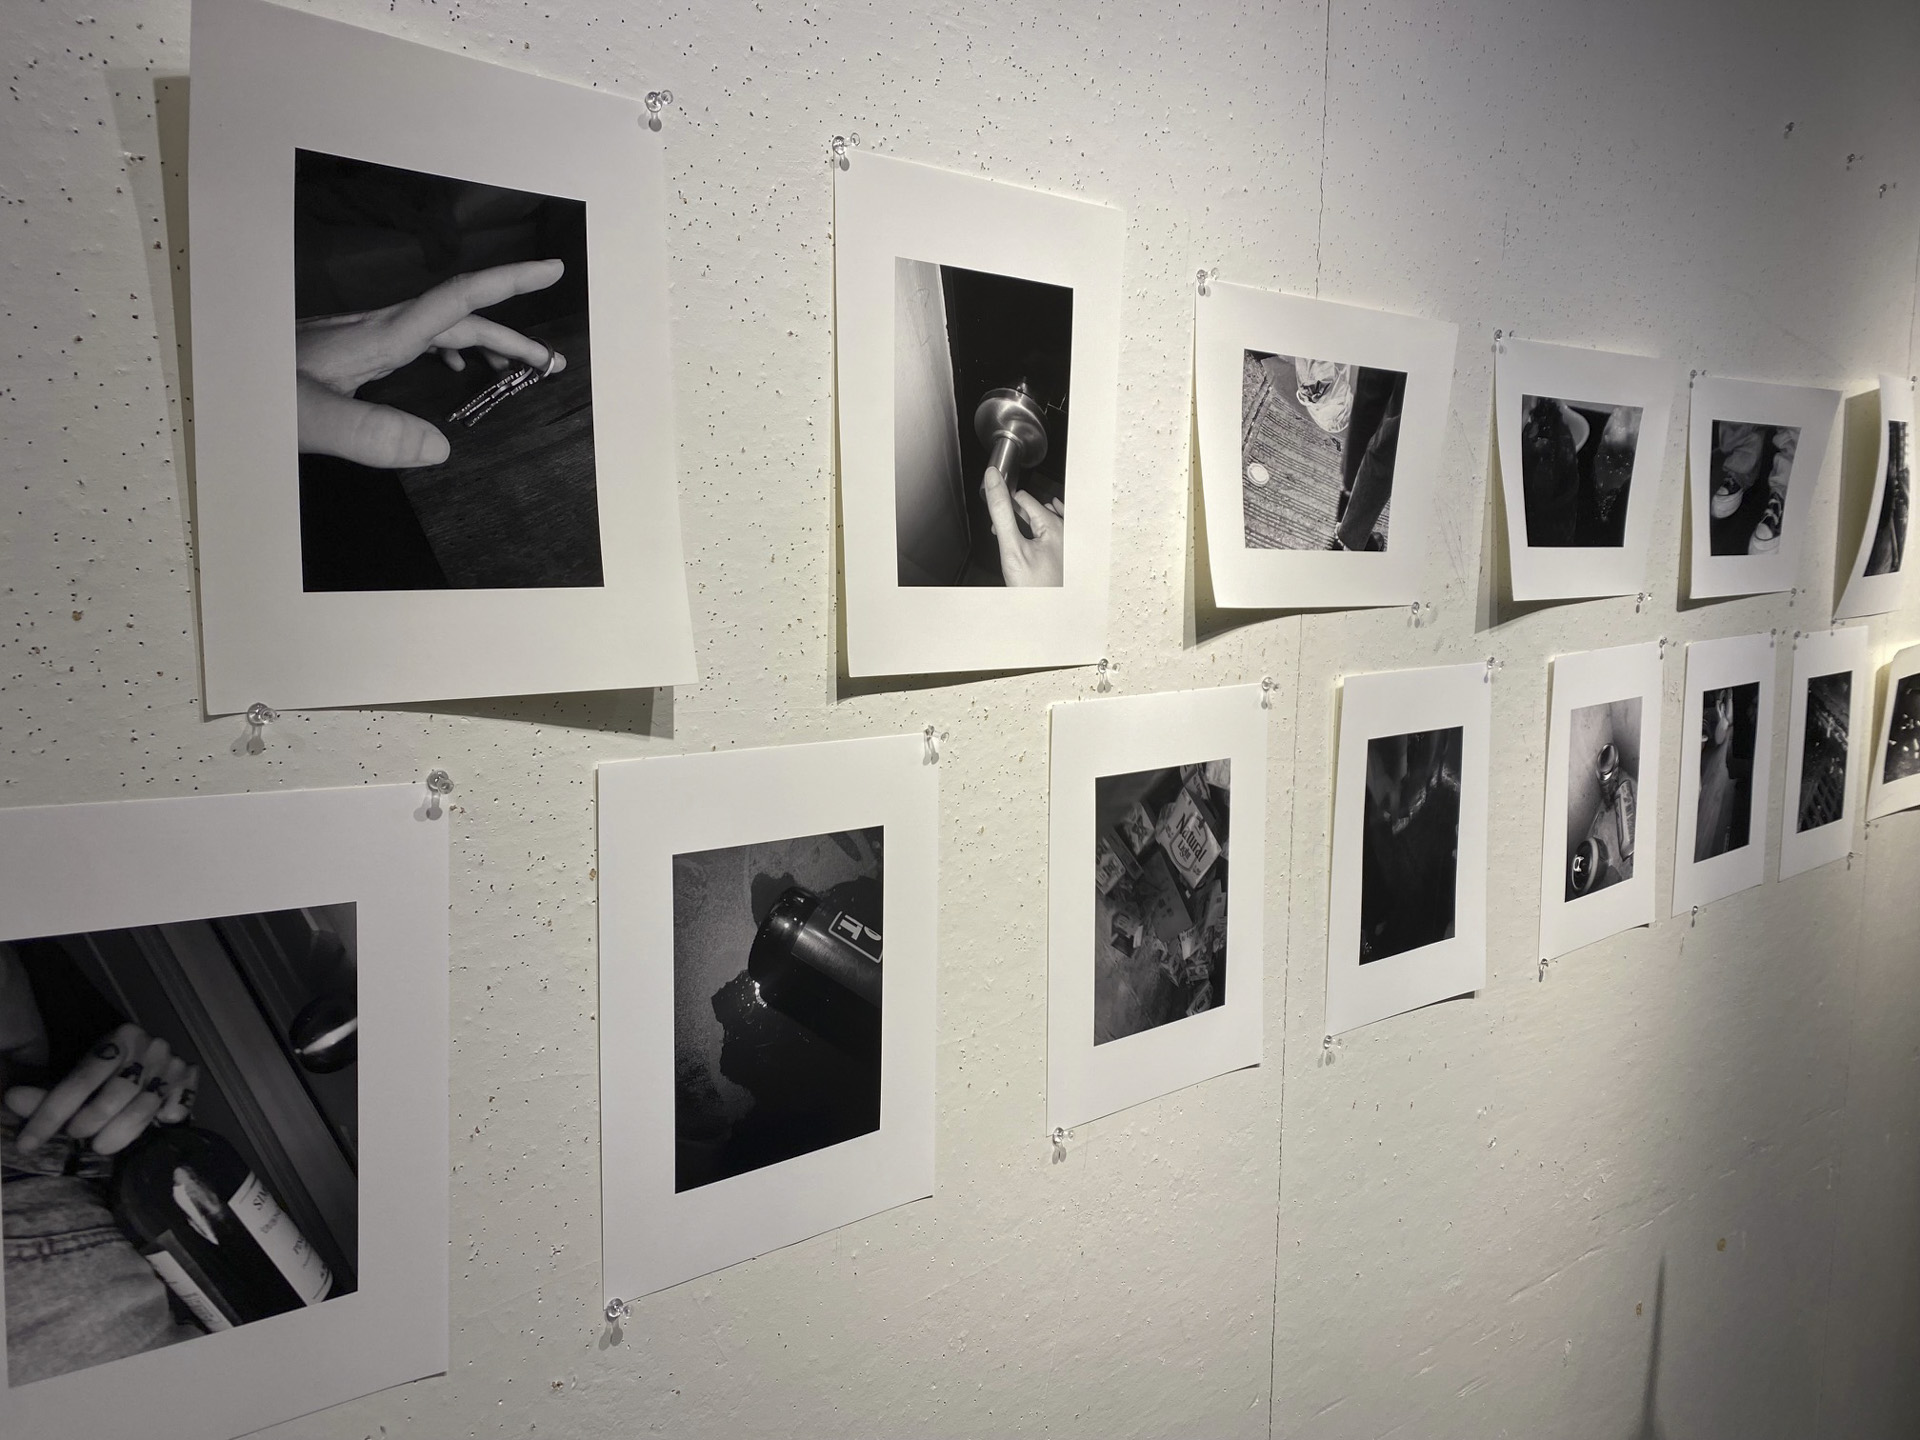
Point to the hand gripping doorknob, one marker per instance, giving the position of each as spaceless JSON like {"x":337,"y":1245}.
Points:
{"x":1008,"y":423}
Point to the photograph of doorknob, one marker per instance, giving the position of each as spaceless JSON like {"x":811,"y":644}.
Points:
{"x":982,"y":379}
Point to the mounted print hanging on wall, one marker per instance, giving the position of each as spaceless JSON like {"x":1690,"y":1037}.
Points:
{"x":977,"y":330}
{"x":1583,"y":435}
{"x":1407,"y":914}
{"x":1879,"y":564}
{"x":433,"y":402}
{"x":1156,"y":869}
{"x":1320,"y":429}
{"x":1754,"y":456}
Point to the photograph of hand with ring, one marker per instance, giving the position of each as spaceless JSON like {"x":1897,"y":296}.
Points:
{"x":178,"y":1132}
{"x":443,"y":386}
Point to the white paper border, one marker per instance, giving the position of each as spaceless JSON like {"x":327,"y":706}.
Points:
{"x":1600,"y":677}
{"x":267,"y":80}
{"x":74,"y":868}
{"x":1711,"y":665}
{"x":1401,"y":702}
{"x":1877,"y":594}
{"x":1565,"y":372}
{"x":1094,"y":738}
{"x":655,"y":808}
{"x":1813,"y":411}
{"x":1232,"y":319}
{"x":1904,"y":794}
{"x":885,"y":209}
{"x":1825,"y":652}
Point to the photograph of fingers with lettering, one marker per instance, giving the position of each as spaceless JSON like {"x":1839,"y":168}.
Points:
{"x":1407,"y":908}
{"x":1582,"y":441}
{"x":1721,"y":844}
{"x":1320,"y":427}
{"x":406,"y":342}
{"x":178,"y":1120}
{"x":223,"y":1104}
{"x":977,"y":331}
{"x":1157,"y":851}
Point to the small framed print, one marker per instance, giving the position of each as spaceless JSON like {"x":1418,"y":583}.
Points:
{"x":767,"y":985}
{"x":1155,"y":872}
{"x":1598,"y":857}
{"x":1879,"y":565}
{"x":1754,"y":457}
{"x":977,"y":330}
{"x":433,"y":402}
{"x":1895,"y":782}
{"x":1827,"y":734}
{"x":1583,"y":438}
{"x":1727,"y":719}
{"x":223,"y":1109}
{"x":1320,"y":430}
{"x":1407,"y":919}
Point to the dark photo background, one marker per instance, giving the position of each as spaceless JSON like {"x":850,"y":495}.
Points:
{"x":1160,"y":896}
{"x":261,"y":1012}
{"x":1823,"y":750}
{"x":1903,"y":732}
{"x":1729,"y":725}
{"x":766,"y":1069}
{"x":1890,"y":531}
{"x":515,"y":504}
{"x":1303,"y":484}
{"x":1602,"y":798}
{"x":1576,"y":467}
{"x":1410,"y":841}
{"x":983,"y":332}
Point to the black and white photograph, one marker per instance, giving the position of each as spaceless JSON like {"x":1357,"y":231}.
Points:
{"x":976,"y":394}
{"x":1160,"y":896}
{"x":1603,"y":795}
{"x":981,"y":389}
{"x":178,"y":1122}
{"x":1411,"y":839}
{"x":443,"y":380}
{"x":1729,"y":722}
{"x":1889,"y":545}
{"x":1407,"y":886}
{"x":1751,"y":468}
{"x":777,"y":999}
{"x":1577,"y":459}
{"x":405,"y":294}
{"x":1902,"y":757}
{"x":1582,"y":443}
{"x":1318,"y":443}
{"x":768,"y":973}
{"x":1823,"y":750}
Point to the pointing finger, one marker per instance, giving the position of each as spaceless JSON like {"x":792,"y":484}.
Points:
{"x":80,"y":1082}
{"x":488,"y":335}
{"x":446,"y":304}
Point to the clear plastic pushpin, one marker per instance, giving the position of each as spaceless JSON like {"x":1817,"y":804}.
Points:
{"x":259,"y":716}
{"x":931,"y":739}
{"x":657,"y":100}
{"x":618,"y":1310}
{"x":438,"y":783}
{"x":1267,"y":686}
{"x":1103,"y":676}
{"x":840,"y":145}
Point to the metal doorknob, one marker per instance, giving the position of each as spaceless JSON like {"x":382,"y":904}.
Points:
{"x":1008,"y":423}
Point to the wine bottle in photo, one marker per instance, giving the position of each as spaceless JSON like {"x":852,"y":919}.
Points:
{"x":212,"y":1231}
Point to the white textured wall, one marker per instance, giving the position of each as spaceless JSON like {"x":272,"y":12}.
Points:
{"x":1455,"y":1227}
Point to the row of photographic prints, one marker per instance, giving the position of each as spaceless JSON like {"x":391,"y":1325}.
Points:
{"x":463,"y":443}
{"x":223,"y":1019}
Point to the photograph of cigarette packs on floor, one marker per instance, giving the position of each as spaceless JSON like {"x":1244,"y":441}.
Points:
{"x":443,"y":380}
{"x":980,"y":393}
{"x":1318,"y":441}
{"x":178,"y":1129}
{"x":1729,"y":720}
{"x":1160,"y":907}
{"x":777,"y":1001}
{"x":1576,"y":470}
{"x":1603,"y":779}
{"x":1411,"y":841}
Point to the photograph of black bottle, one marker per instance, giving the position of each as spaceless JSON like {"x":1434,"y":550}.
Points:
{"x":777,"y":1001}
{"x":212,"y":1231}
